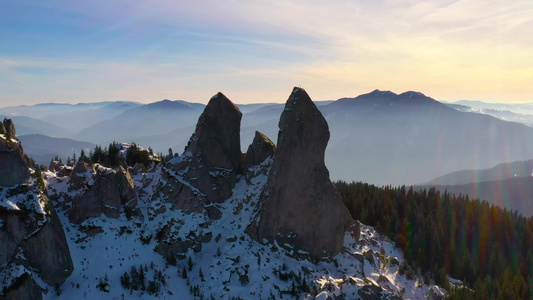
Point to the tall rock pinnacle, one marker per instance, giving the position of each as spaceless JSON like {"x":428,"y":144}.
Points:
{"x":300,"y":205}
{"x":31,"y":235}
{"x":260,"y":149}
{"x":14,"y":164}
{"x":217,"y":135}
{"x":207,"y":170}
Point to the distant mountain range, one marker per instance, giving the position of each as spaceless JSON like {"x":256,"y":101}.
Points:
{"x":508,"y":185}
{"x":520,"y":113}
{"x":385,"y":138}
{"x":43,"y":148}
{"x":380,"y":137}
{"x":72,"y":118}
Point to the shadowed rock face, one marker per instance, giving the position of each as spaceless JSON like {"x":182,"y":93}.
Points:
{"x":14,"y":164}
{"x":31,"y":227}
{"x":300,"y":205}
{"x":260,"y":149}
{"x":9,"y":128}
{"x":217,"y":135}
{"x":207,"y":170}
{"x":112,"y":190}
{"x":25,"y":288}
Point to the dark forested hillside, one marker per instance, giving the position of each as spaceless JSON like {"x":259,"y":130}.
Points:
{"x":488,"y":248}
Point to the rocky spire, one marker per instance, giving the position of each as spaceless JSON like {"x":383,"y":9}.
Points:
{"x":31,"y":235}
{"x":260,"y":149}
{"x":9,"y":128}
{"x":14,"y":164}
{"x":217,"y":134}
{"x":300,"y":206}
{"x":207,"y":170}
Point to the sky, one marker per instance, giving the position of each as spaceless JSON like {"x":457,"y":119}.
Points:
{"x":256,"y":51}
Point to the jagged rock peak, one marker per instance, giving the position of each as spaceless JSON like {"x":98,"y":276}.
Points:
{"x":14,"y":164}
{"x":9,"y":128}
{"x":300,"y":205}
{"x":217,"y":135}
{"x":260,"y":149}
{"x":31,"y":236}
{"x":207,"y":170}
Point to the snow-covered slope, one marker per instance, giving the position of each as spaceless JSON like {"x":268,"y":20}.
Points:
{"x":224,"y":262}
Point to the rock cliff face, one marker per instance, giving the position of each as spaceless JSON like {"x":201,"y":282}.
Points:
{"x":9,"y":128}
{"x":32,"y":240}
{"x":260,"y":149}
{"x":14,"y":164}
{"x":299,"y":205}
{"x":206,"y":172}
{"x":217,"y":135}
{"x":105,"y":191}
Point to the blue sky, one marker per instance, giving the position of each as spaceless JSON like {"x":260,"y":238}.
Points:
{"x":256,"y":51}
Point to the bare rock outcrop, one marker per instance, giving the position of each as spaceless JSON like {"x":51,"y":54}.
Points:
{"x":9,"y":128}
{"x":260,"y":149}
{"x":31,"y":235}
{"x":103,"y":191}
{"x":217,"y":135}
{"x":14,"y":164}
{"x":300,"y":206}
{"x":24,"y":287}
{"x":207,"y":170}
{"x":48,"y":250}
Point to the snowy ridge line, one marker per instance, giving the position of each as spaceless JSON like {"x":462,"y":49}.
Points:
{"x":228,"y":263}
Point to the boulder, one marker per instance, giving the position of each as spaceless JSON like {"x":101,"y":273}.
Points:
{"x":55,"y":166}
{"x":299,"y":204}
{"x":172,"y":246}
{"x":260,"y":149}
{"x":81,"y":167}
{"x":138,"y":168}
{"x":207,"y":170}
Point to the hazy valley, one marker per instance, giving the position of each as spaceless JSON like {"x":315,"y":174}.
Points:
{"x":244,"y":206}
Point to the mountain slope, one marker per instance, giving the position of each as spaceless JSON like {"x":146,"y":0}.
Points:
{"x":228,"y":262}
{"x":499,"y":172}
{"x":29,"y":125}
{"x":514,"y":194}
{"x":386,"y":138}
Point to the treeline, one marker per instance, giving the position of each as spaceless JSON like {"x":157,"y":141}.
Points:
{"x":487,"y":247}
{"x":110,"y":156}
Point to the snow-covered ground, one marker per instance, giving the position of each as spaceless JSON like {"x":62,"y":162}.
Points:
{"x":229,"y":265}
